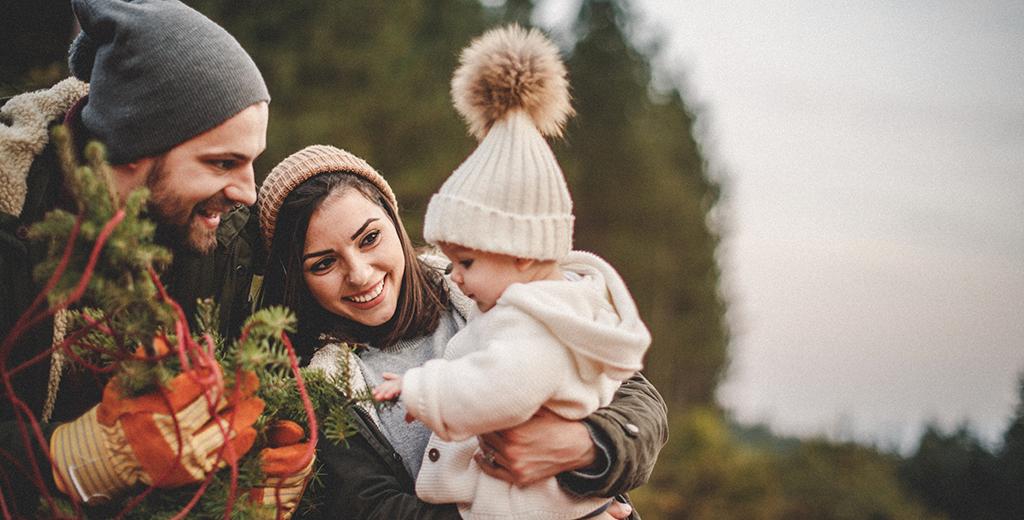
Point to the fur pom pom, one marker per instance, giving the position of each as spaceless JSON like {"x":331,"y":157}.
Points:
{"x":508,"y":69}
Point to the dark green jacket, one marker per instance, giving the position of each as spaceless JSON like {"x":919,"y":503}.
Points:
{"x":366,"y":479}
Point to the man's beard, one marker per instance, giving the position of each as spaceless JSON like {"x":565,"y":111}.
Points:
{"x":177,"y":222}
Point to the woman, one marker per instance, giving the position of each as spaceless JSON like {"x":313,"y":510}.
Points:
{"x":341,"y":259}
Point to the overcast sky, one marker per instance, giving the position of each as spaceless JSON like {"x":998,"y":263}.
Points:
{"x":873,"y":156}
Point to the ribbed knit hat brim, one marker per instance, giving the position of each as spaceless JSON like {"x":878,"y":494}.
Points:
{"x":540,"y":237}
{"x":303,"y":165}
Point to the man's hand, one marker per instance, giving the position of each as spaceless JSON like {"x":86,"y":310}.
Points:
{"x":167,"y":438}
{"x":286,"y":469}
{"x":541,"y":447}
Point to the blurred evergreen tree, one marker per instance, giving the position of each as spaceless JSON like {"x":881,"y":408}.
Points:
{"x":708,"y":472}
{"x":374,"y":79}
{"x":518,"y":11}
{"x":34,"y":38}
{"x":642,"y":199}
{"x":1011,"y":457}
{"x":371,"y":78}
{"x":954,"y":474}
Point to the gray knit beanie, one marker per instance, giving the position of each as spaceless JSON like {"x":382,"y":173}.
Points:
{"x":160,"y":73}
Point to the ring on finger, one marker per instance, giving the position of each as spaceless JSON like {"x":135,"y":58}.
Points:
{"x":489,"y":457}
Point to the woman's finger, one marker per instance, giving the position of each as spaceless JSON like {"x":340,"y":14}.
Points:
{"x":494,"y":470}
{"x":492,"y":440}
{"x":619,"y":510}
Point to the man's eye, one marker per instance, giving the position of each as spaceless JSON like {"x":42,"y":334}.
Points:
{"x":226,"y":164}
{"x":371,"y":238}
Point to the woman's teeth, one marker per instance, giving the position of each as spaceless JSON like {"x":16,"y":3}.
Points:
{"x":371,"y":294}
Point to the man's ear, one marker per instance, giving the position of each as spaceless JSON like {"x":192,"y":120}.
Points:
{"x":131,"y":175}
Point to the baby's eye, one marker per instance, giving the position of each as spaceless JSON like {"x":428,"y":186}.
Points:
{"x":466,"y":263}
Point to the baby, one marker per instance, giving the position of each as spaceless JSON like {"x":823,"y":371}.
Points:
{"x":558,"y":329}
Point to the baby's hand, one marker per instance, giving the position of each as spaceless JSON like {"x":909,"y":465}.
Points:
{"x":390,"y":389}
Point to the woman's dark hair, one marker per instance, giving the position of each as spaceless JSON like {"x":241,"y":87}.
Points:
{"x":422,"y":297}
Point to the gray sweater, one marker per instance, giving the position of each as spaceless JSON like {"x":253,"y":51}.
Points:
{"x":409,"y":439}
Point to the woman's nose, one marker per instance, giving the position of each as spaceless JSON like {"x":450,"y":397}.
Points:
{"x":359,"y":274}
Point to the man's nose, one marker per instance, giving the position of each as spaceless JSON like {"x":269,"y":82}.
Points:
{"x":242,"y":189}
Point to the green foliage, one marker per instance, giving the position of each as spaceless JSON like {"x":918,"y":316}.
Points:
{"x":260,"y":349}
{"x":121,"y":285}
{"x":1011,"y":456}
{"x":333,"y":400}
{"x":35,"y":38}
{"x":707,"y":472}
{"x":643,"y":196}
{"x":371,"y":78}
{"x":955,"y":474}
{"x":128,"y":327}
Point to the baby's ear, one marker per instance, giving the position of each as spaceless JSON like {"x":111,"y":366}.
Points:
{"x":523,"y":264}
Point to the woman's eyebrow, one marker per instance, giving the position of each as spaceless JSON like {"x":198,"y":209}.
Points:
{"x":361,"y":228}
{"x":307,"y":256}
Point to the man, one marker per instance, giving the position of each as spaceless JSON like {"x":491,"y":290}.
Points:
{"x":182,"y":110}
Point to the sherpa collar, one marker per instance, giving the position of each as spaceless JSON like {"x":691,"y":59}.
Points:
{"x":24,"y":133}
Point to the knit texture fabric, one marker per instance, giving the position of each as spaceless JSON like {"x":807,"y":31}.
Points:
{"x":561,"y":345}
{"x":160,"y":73}
{"x":302,"y":165}
{"x":507,"y":197}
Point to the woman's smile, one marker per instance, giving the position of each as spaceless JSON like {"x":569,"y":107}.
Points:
{"x":370,"y":298}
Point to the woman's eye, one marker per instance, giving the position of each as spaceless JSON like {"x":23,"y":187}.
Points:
{"x":321,"y":265}
{"x":371,"y":238}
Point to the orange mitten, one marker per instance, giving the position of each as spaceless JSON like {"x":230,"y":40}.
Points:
{"x":166,"y":439}
{"x":285,"y":476}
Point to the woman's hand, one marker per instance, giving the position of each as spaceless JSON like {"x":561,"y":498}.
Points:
{"x":539,"y":448}
{"x":619,"y":510}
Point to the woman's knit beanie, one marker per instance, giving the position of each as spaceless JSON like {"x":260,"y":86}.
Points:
{"x":509,"y":196}
{"x":159,"y":72}
{"x":303,"y":165}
